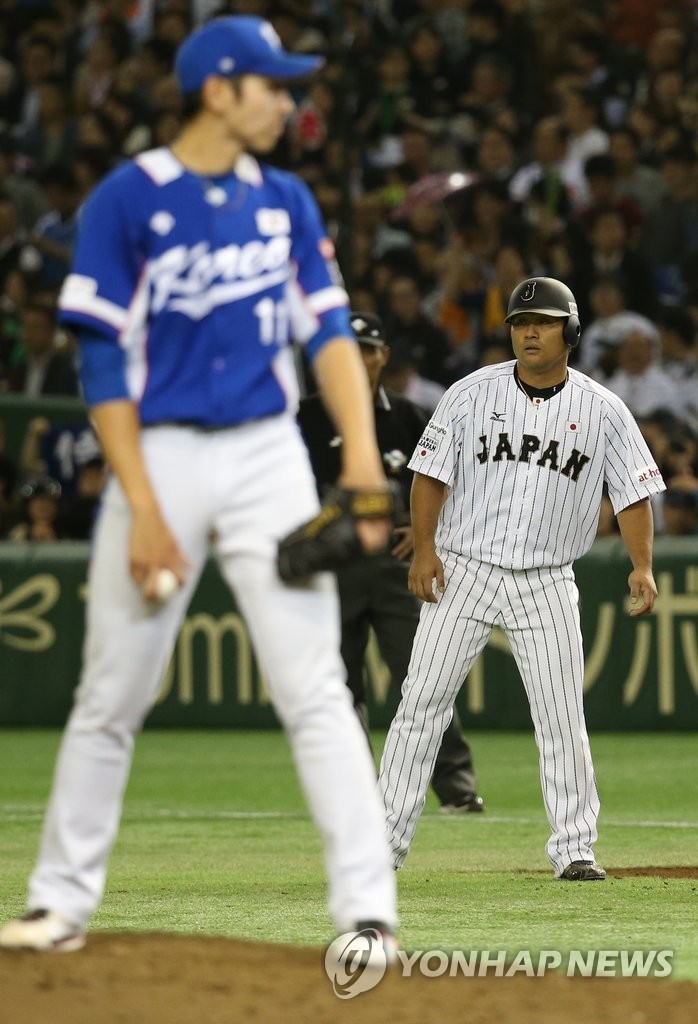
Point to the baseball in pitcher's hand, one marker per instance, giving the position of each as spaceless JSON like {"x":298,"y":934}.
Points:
{"x":153,"y":547}
{"x":643,"y":592}
{"x":425,"y":568}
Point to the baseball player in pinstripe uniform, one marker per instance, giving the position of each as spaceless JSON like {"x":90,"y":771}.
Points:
{"x":506,"y":495}
{"x":195,"y":266}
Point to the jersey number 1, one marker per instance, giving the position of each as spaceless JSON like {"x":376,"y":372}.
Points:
{"x":273,"y":321}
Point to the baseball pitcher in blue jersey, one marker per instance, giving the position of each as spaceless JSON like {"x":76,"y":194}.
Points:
{"x":196,"y":267}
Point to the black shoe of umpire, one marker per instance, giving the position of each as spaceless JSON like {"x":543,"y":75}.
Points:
{"x":470,"y":803}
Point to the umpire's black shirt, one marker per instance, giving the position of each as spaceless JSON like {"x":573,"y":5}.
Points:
{"x":399,"y":426}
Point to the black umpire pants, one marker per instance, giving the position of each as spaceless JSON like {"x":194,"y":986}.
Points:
{"x":373,"y":592}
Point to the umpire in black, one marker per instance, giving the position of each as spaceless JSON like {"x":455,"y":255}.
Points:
{"x":373,"y":591}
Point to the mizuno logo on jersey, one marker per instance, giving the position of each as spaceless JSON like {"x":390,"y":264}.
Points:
{"x":195,"y":280}
{"x":530,"y":444}
{"x":498,"y":416}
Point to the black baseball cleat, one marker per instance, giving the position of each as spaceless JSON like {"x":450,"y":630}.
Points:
{"x":384,"y":937}
{"x":583,"y":871}
{"x":470,"y":803}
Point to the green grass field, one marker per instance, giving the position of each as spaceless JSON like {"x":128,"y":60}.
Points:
{"x":216,"y":839}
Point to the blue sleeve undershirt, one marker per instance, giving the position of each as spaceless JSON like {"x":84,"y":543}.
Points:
{"x":102,"y":365}
{"x":335,"y":324}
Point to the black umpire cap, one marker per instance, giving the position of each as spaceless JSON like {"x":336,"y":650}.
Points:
{"x":368,"y":329}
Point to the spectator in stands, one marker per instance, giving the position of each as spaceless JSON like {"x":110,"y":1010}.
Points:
{"x":489,"y":41}
{"x":639,"y":380}
{"x":38,"y":60}
{"x":381,"y":119}
{"x":43,"y":369}
{"x":588,"y":53}
{"x":54,"y":235}
{"x":490,"y":90}
{"x":601,"y":182}
{"x":667,"y":89}
{"x":458,"y":304}
{"x":598,"y":348}
{"x":636,"y":181}
{"x":22,"y":190}
{"x":549,"y":167}
{"x":509,"y":269}
{"x":58,"y":449}
{"x":670,"y":233}
{"x":679,"y":348}
{"x":496,"y":155}
{"x":39,"y":511}
{"x":431,"y":85}
{"x":99,"y":70}
{"x":151,"y":62}
{"x":89,"y":164}
{"x":80,"y":509}
{"x":580,"y":114}
{"x":610,"y":255}
{"x":411,"y":331}
{"x":402,"y":376}
{"x":53,"y":135}
{"x":680,"y":511}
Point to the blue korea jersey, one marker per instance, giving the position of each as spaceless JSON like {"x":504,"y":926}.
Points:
{"x":186,"y":291}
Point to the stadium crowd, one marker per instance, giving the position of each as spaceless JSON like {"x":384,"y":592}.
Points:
{"x":454,"y":147}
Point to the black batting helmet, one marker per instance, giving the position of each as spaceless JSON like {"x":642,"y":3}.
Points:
{"x":548,"y":296}
{"x":368,"y":329}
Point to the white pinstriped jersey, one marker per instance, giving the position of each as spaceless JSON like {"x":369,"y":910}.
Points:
{"x":525,"y":479}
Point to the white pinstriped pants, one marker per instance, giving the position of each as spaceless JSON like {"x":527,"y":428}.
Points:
{"x":538,"y":611}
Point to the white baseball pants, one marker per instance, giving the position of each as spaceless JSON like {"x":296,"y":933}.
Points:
{"x":251,"y":485}
{"x":538,"y":611}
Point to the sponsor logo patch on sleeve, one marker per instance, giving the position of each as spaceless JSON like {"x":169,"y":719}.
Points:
{"x":430,"y":441}
{"x":645,"y":473}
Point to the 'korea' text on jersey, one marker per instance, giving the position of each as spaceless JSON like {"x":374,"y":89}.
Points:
{"x":195,"y":274}
{"x":525,"y":479}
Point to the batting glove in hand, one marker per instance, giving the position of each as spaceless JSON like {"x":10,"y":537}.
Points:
{"x":330,"y":540}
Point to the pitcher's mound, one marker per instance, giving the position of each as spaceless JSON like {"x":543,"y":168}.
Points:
{"x":180,"y":979}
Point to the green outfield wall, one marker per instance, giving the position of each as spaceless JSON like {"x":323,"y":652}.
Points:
{"x":640,"y":674}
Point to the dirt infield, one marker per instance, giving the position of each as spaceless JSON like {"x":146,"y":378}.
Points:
{"x":176,"y":979}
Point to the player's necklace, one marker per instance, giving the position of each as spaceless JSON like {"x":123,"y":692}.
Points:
{"x":216,"y":191}
{"x":538,"y":395}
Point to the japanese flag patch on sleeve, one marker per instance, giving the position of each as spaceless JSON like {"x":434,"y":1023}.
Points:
{"x":431,"y":440}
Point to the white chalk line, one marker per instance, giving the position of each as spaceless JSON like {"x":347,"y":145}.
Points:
{"x":22,"y":812}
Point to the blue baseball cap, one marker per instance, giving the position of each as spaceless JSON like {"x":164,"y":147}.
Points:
{"x":237,"y":45}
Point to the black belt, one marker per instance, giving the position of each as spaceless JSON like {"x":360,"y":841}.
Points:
{"x":208,"y":428}
{"x":201,"y":428}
